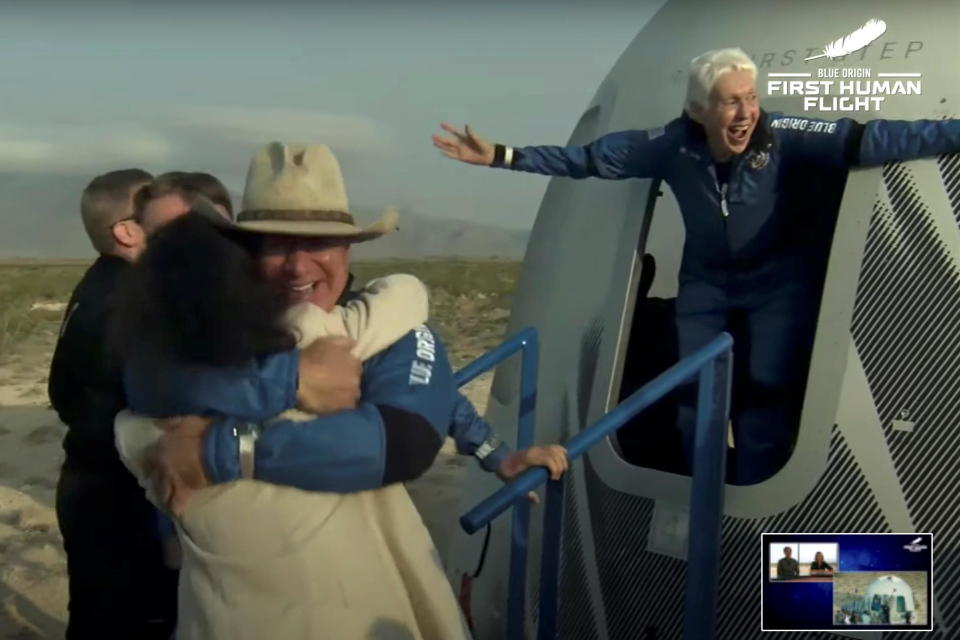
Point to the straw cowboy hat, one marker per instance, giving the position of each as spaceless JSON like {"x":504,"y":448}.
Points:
{"x":299,"y":190}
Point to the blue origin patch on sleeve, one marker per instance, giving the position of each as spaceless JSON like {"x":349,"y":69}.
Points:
{"x":422,"y":366}
{"x":804,"y":124}
{"x":655,"y":133}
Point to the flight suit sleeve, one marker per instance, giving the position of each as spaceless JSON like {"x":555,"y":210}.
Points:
{"x":892,"y":140}
{"x":475,"y":437}
{"x":615,"y":156}
{"x":819,"y":142}
{"x":393,"y":435}
{"x":847,"y":143}
{"x":257,"y":391}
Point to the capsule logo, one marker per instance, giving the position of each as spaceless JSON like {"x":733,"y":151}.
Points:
{"x":915,"y":546}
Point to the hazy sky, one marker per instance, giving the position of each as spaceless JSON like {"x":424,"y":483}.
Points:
{"x":169,"y":86}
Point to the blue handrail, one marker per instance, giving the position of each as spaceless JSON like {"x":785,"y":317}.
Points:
{"x":526,"y":342}
{"x":713,"y":364}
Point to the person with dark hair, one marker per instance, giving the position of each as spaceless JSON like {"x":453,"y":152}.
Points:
{"x":217,"y":365}
{"x":787,"y":567}
{"x":195,"y":297}
{"x":118,"y":585}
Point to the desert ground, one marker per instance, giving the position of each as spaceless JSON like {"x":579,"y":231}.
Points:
{"x":470,"y":302}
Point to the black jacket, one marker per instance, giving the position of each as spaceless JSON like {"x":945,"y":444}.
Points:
{"x":86,"y":386}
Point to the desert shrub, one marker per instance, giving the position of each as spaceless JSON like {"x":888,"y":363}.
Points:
{"x":469,"y":299}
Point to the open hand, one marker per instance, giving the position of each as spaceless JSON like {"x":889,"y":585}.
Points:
{"x":465,"y":146}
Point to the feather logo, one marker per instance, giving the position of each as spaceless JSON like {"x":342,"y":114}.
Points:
{"x":857,"y":40}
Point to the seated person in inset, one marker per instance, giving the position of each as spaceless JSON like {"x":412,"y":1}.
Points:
{"x":819,"y":567}
{"x":787,"y":567}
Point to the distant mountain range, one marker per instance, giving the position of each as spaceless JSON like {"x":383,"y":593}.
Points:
{"x":40,"y":218}
{"x":422,"y":236}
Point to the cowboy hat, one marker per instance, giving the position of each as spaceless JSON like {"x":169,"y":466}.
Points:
{"x":299,"y":191}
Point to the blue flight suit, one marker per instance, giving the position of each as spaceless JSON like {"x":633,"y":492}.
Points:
{"x":754,"y":256}
{"x":393,"y":435}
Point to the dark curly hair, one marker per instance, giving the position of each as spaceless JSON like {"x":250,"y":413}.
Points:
{"x":195,"y":296}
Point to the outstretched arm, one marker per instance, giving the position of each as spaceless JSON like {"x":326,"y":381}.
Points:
{"x":892,"y":140}
{"x":848,"y":143}
{"x":615,"y":156}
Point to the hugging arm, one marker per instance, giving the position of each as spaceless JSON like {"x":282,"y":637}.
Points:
{"x":393,"y":435}
{"x":257,"y":391}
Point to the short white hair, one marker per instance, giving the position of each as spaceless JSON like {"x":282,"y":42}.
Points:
{"x":707,"y":68}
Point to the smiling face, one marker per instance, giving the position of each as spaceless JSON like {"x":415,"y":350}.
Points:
{"x":731,"y":115}
{"x":312,"y":270}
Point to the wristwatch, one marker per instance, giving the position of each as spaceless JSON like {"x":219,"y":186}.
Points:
{"x":487,"y":447}
{"x":502,"y":156}
{"x":247,"y":434}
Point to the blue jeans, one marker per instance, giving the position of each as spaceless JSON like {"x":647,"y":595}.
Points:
{"x":773,"y":330}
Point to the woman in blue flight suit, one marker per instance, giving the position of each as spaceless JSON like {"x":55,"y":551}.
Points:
{"x":754,"y":189}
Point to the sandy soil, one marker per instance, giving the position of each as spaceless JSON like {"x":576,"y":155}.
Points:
{"x":33,"y":588}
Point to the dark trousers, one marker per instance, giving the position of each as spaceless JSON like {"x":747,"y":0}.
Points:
{"x":118,"y":585}
{"x":773,"y":332}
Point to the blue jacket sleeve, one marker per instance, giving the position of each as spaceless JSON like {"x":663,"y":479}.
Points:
{"x":847,"y":143}
{"x":891,"y":140}
{"x":822,"y":142}
{"x":615,"y":156}
{"x":469,"y":431}
{"x":260,"y":390}
{"x":393,"y":436}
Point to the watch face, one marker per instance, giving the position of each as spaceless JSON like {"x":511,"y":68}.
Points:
{"x":246,"y":429}
{"x":487,"y":447}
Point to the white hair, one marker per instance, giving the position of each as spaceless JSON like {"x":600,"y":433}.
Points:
{"x":707,"y":68}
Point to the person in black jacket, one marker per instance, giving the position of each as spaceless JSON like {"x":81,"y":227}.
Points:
{"x":118,"y":584}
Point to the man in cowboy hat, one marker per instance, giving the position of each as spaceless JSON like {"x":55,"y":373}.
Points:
{"x":327,"y":370}
{"x":295,"y":201}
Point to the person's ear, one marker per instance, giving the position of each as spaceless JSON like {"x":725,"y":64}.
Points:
{"x":128,"y":233}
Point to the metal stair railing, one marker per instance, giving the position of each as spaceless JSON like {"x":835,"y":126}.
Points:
{"x":712,"y":364}
{"x":525,"y":341}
